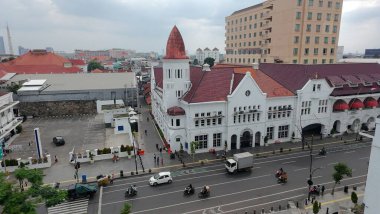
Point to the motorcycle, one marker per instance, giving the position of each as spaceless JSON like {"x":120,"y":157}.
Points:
{"x":188,"y":191}
{"x":322,"y":152}
{"x":204,"y":193}
{"x":315,"y":190}
{"x":131,"y":192}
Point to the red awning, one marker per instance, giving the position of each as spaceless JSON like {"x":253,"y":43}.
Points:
{"x":175,"y":111}
{"x":340,"y":106}
{"x":148,"y":100}
{"x":370,"y":103}
{"x":356,"y":104}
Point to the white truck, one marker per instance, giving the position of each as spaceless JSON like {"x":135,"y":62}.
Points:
{"x":240,"y":161}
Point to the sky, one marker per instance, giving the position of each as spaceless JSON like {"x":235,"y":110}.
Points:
{"x":144,"y":25}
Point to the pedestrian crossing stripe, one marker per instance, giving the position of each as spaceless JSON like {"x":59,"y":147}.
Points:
{"x":78,"y":207}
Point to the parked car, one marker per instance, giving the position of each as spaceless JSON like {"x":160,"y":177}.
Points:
{"x":160,"y":178}
{"x":81,"y":190}
{"x":58,"y":141}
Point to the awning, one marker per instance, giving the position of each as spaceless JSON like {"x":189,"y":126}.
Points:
{"x":370,"y":103}
{"x":340,"y":106}
{"x":176,"y":111}
{"x":356,"y":104}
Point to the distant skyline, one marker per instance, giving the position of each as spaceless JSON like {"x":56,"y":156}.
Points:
{"x":144,"y":25}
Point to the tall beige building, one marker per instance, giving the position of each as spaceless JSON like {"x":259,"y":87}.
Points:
{"x":284,"y":31}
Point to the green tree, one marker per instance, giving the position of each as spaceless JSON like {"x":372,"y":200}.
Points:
{"x":316,"y":207}
{"x":21,"y":174}
{"x":52,"y":196}
{"x":195,"y":62}
{"x":354,"y":198}
{"x":126,"y":209}
{"x":193,"y":146}
{"x":341,"y":170}
{"x":13,"y":200}
{"x":210,"y":61}
{"x":13,"y":88}
{"x":92,"y":65}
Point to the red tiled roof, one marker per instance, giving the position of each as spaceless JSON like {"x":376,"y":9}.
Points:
{"x":175,"y":47}
{"x":295,"y":76}
{"x":97,"y":71}
{"x":214,"y":85}
{"x":266,"y":84}
{"x":38,"y":69}
{"x":77,"y":62}
{"x":175,"y":111}
{"x":39,"y":58}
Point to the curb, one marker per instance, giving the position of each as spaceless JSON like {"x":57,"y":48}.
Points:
{"x":211,"y":161}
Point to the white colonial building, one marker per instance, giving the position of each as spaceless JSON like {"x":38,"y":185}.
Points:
{"x":8,"y":121}
{"x":201,"y":55}
{"x":244,"y":106}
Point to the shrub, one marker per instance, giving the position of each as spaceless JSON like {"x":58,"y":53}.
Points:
{"x":100,"y":152}
{"x":354,"y":198}
{"x":11,"y":162}
{"x":107,"y":151}
{"x":122,"y":148}
{"x":19,"y":129}
{"x":34,"y":161}
{"x":45,"y":159}
{"x":126,"y":209}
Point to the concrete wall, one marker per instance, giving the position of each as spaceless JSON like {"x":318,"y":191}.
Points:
{"x":129,"y":95}
{"x":57,"y":108}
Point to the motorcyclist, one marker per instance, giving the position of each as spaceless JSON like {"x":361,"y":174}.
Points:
{"x":279,"y":172}
{"x":189,"y":188}
{"x":132,"y":189}
{"x":205,"y":189}
{"x":322,"y":151}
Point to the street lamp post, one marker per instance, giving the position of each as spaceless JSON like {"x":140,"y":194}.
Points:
{"x":134,"y":151}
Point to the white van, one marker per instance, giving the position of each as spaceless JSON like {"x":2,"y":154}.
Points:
{"x":160,"y":178}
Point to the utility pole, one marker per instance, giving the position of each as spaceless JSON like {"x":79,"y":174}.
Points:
{"x":134,"y":151}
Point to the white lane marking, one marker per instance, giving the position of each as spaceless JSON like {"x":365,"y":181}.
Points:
{"x":213,"y":197}
{"x":350,"y":152}
{"x":332,"y":163}
{"x":296,"y":170}
{"x":289,"y":162}
{"x":281,"y":159}
{"x":319,"y":157}
{"x":100,"y":200}
{"x":319,"y":176}
{"x":218,"y":184}
{"x":270,"y":202}
{"x":363,"y":158}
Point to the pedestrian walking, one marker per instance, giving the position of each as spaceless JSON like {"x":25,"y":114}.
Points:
{"x":160,"y":149}
{"x":112,"y":178}
{"x":55,"y":159}
{"x":146,"y":132}
{"x":155,"y":159}
{"x":147,"y":119}
{"x":158,"y":161}
{"x":29,"y":143}
{"x":26,"y":183}
{"x":323,"y":189}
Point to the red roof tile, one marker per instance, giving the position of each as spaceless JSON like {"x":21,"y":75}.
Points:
{"x":39,"y":58}
{"x":77,"y":62}
{"x":97,"y":71}
{"x":295,"y":76}
{"x":266,"y":84}
{"x":38,"y":69}
{"x":175,"y":48}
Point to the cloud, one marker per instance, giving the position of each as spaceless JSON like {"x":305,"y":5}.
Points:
{"x":144,"y":25}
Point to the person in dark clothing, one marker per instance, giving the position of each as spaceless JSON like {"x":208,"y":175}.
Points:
{"x":323,"y":189}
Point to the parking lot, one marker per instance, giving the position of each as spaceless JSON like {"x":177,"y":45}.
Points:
{"x":81,"y":132}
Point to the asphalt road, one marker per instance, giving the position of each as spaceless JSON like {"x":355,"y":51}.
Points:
{"x":245,"y":191}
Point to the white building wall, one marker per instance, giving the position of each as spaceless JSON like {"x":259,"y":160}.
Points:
{"x":371,"y":200}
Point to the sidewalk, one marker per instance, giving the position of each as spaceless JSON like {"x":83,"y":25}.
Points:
{"x":339,"y":202}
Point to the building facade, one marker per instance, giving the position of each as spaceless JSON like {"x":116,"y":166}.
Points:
{"x":201,"y":55}
{"x":8,"y":121}
{"x":2,"y":46}
{"x":372,"y":53}
{"x":236,"y":106}
{"x":284,"y":31}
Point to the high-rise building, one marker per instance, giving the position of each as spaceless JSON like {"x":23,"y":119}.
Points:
{"x":284,"y":31}
{"x":22,"y":50}
{"x":201,"y":55}
{"x":2,"y":46}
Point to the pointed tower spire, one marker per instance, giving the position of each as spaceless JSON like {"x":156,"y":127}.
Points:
{"x":10,"y":41}
{"x":175,"y":47}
